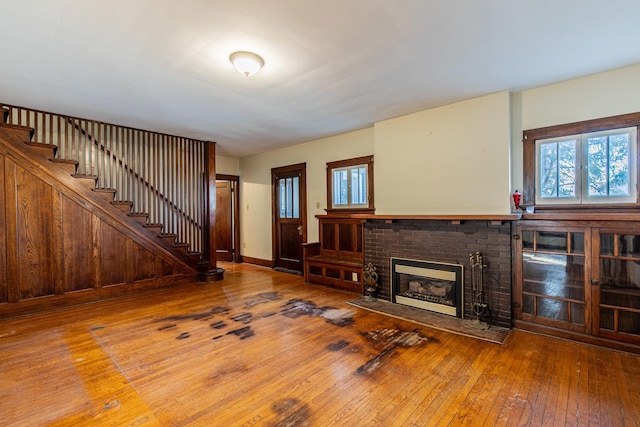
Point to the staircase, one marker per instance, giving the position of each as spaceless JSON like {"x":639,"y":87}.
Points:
{"x":154,"y":186}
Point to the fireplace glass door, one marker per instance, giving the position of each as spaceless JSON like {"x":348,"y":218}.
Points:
{"x":428,"y":285}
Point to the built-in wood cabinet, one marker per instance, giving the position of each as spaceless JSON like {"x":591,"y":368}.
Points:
{"x":337,"y":260}
{"x":578,"y":278}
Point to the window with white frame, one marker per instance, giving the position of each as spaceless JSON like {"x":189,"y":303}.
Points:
{"x":350,"y":184}
{"x":587,"y":168}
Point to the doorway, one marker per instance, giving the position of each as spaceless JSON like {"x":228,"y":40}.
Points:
{"x":289,"y":199}
{"x":227,"y":218}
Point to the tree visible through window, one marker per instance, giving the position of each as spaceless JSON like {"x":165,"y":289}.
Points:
{"x":583,"y":163}
{"x":609,"y":163}
{"x":558,"y":169}
{"x":589,"y":168}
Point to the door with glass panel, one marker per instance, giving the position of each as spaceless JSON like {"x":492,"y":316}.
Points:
{"x":553,"y":288}
{"x":289,"y":213}
{"x":617,"y":283}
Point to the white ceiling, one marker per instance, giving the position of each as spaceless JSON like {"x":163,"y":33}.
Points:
{"x":331,"y":66}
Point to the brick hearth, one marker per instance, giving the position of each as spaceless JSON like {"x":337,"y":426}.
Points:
{"x":443,"y":241}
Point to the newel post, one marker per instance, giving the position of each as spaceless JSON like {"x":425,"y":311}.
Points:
{"x":210,"y":271}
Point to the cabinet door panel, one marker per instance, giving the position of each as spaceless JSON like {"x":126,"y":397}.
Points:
{"x":553,"y":278}
{"x":618,"y":296}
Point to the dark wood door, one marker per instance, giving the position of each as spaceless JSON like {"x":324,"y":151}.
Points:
{"x":224,"y":221}
{"x":289,"y":212}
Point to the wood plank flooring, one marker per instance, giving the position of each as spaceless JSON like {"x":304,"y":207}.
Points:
{"x":261,"y":348}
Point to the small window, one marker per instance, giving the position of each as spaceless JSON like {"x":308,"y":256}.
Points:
{"x":288,"y":188}
{"x":350,"y":184}
{"x":588,"y":168}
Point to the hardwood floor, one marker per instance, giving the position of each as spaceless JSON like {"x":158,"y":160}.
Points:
{"x":262,"y":348}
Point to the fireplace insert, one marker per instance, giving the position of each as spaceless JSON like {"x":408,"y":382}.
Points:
{"x":433,"y":286}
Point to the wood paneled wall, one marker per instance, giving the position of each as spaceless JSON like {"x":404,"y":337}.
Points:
{"x":57,"y":251}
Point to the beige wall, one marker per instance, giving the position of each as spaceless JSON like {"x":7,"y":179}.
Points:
{"x":227,"y":165}
{"x":448,"y":160}
{"x":255,"y":181}
{"x":464,"y":158}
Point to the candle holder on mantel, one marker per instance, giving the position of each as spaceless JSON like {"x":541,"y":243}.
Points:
{"x":370,"y":282}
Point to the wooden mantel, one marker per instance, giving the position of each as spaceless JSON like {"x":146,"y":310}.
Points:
{"x":455,"y":219}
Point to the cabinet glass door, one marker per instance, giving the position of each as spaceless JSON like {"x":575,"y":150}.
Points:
{"x":553,"y":279}
{"x":618,"y":299}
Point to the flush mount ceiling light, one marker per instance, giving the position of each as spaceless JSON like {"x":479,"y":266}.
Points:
{"x":246,"y":63}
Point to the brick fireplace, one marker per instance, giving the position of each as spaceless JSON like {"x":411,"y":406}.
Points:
{"x":445,"y":241}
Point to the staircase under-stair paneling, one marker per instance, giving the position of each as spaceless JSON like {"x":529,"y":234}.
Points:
{"x":65,"y":240}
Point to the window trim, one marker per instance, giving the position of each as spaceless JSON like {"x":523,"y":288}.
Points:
{"x":529,"y":138}
{"x":581,"y":197}
{"x":356,"y":161}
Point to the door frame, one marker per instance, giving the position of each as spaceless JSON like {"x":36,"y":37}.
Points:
{"x":302,"y":167}
{"x":235,"y":206}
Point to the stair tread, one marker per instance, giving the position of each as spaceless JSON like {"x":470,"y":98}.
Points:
{"x":66,"y":161}
{"x":121,"y":203}
{"x":18,"y":127}
{"x":41,"y":144}
{"x":153,"y":225}
{"x":138,"y":214}
{"x":84,"y":176}
{"x":104,"y":190}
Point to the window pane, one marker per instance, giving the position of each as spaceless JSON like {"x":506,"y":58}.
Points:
{"x":283,"y":198}
{"x":528,"y":304}
{"x":577,"y":313}
{"x":606,"y":244}
{"x":552,"y":241}
{"x":608,"y":165}
{"x":359,"y":185}
{"x":558,"y":169}
{"x":340,"y":187}
{"x":616,"y":273}
{"x":549,"y":170}
{"x":619,"y":153}
{"x":527,"y":240}
{"x":629,"y":245}
{"x":606,"y":318}
{"x":597,"y":166}
{"x":289,"y":197}
{"x":553,"y":309}
{"x":554,"y":275}
{"x":629,"y":322}
{"x":296,"y":202}
{"x":567,"y":169}
{"x":577,"y":243}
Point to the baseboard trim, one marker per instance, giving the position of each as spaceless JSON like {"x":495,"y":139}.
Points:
{"x":258,"y":261}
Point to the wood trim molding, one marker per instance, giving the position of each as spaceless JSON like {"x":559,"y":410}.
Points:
{"x":364,"y":160}
{"x":530,"y":136}
{"x":258,"y":261}
{"x":456,"y":218}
